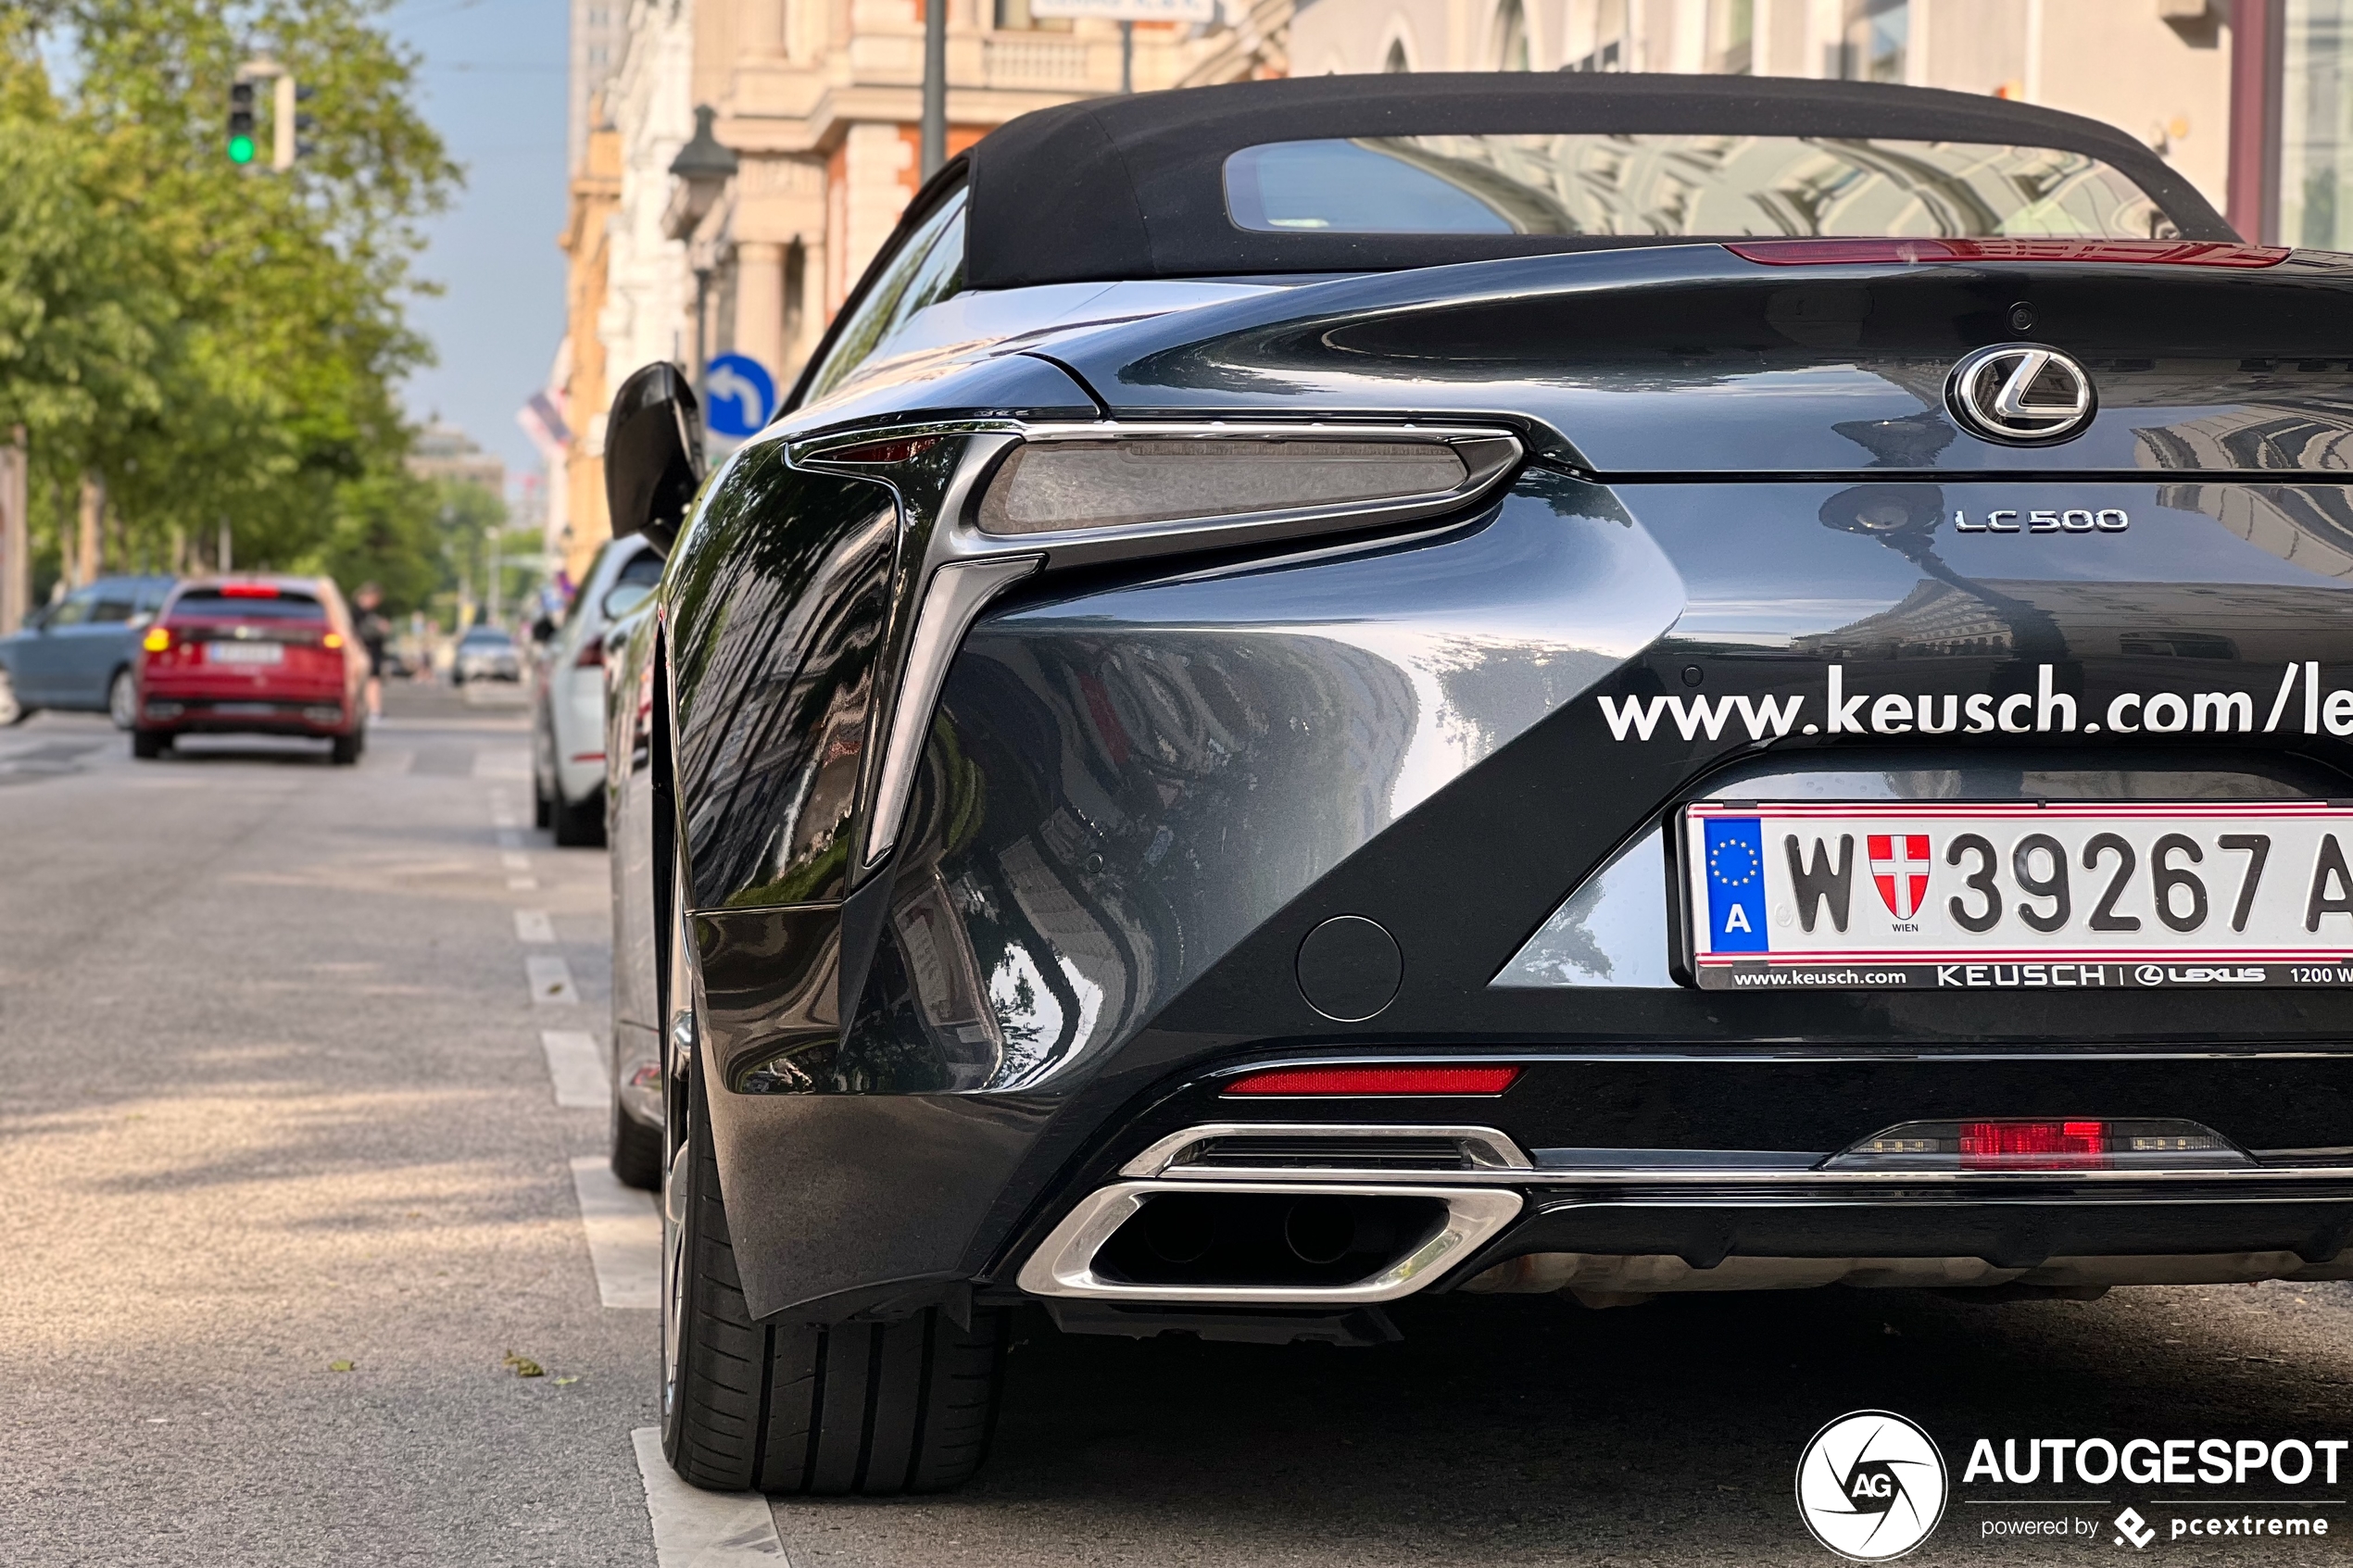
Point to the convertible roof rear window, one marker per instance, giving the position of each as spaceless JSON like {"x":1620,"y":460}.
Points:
{"x":1377,"y":173}
{"x":1688,"y":185}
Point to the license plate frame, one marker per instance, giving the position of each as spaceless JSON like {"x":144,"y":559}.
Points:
{"x":1916,"y":888}
{"x":245,"y":656}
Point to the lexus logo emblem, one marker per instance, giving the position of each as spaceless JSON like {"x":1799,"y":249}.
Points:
{"x":2021,"y":393}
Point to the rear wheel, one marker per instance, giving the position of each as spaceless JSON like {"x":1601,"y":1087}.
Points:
{"x":873,"y":1409}
{"x":149,"y":745}
{"x":581,"y":826}
{"x":122,"y":700}
{"x":637,"y":1152}
{"x":11,"y":710}
{"x":343,"y":750}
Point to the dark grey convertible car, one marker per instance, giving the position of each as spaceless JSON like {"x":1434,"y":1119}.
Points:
{"x":1334,"y":690}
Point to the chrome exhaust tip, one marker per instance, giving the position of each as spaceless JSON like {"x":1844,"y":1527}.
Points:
{"x":1262,"y":1243}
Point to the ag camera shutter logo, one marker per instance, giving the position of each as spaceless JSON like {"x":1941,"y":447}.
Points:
{"x":1871,"y":1486}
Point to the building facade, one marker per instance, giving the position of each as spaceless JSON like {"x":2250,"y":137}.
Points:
{"x":821,"y":103}
{"x":2159,"y":68}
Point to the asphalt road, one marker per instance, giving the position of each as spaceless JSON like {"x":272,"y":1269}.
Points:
{"x":286,"y":1195}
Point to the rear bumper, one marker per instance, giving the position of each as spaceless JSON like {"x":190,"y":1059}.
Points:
{"x":1652,"y":1164}
{"x":1640,"y":1225}
{"x":174,"y":714}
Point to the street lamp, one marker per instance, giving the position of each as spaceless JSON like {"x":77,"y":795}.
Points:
{"x":934,"y":145}
{"x":703,"y":169}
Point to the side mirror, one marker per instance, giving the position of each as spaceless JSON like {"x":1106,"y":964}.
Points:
{"x":653,"y":454}
{"x":543,"y":629}
{"x":622,"y":598}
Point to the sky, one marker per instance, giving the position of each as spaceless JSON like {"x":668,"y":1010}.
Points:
{"x":493,"y":85}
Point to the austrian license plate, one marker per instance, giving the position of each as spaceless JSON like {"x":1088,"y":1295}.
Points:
{"x":1958,"y":896}
{"x":243,"y":653}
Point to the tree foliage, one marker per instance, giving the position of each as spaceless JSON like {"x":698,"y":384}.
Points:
{"x":218,"y":343}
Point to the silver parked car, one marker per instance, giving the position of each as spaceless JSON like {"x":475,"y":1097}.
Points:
{"x":486,"y":653}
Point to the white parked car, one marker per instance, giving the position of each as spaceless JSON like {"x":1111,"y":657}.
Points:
{"x":568,"y":701}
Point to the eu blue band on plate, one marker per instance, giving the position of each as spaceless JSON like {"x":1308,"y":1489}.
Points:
{"x":1735,"y":848}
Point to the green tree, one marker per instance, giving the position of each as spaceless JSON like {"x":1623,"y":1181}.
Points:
{"x":227,"y":344}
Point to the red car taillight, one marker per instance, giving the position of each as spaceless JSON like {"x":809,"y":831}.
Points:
{"x":2036,"y":1145}
{"x":592,"y":655}
{"x":1370,"y":1080}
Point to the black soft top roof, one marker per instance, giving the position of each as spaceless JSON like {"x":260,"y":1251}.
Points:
{"x":1134,"y":187}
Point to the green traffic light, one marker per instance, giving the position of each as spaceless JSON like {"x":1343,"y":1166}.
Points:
{"x":240,"y":149}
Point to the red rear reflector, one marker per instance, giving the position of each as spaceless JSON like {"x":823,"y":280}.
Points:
{"x":247,"y":591}
{"x":883,"y":451}
{"x":1849,"y":253}
{"x":2041,"y":1145}
{"x":1376,"y":1081}
{"x":592,"y":655}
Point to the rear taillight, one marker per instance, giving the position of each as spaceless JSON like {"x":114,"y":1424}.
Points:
{"x":331,"y":640}
{"x":1869,"y":252}
{"x":1346,"y":1081}
{"x":2041,"y":1143}
{"x":592,"y":655}
{"x":157,"y":640}
{"x":1998,"y":1145}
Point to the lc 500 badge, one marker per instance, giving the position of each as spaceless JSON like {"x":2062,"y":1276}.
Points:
{"x":2070,"y":519}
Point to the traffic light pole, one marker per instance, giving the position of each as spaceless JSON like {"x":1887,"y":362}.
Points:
{"x":285,"y":119}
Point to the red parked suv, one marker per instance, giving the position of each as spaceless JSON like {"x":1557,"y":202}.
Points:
{"x":271,"y":655}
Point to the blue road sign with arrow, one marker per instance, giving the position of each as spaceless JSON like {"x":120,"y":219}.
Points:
{"x":742,"y":394}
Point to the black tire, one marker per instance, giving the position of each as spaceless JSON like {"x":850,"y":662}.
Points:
{"x":637,"y":1152}
{"x":581,"y":826}
{"x":149,"y":745}
{"x":343,"y":750}
{"x":873,"y":1408}
{"x":540,"y":811}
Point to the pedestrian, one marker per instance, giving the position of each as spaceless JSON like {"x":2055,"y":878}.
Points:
{"x":375,"y":633}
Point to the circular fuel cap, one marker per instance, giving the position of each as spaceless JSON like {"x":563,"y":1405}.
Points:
{"x":1349,"y":968}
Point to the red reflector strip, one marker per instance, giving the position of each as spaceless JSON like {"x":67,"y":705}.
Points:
{"x":247,"y":591}
{"x":883,"y":451}
{"x":587,"y":756}
{"x":1376,"y":1081}
{"x":2170,"y":253}
{"x":2055,"y":1145}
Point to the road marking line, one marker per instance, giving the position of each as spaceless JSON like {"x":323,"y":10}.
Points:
{"x":625,"y":1234}
{"x":550,"y":980}
{"x":522,"y":883}
{"x":578,"y":1068}
{"x":698,"y":1529}
{"x":514,"y":859}
{"x":532,"y":926}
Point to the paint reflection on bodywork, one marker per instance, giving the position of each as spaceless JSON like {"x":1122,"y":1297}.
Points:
{"x":1122,"y":785}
